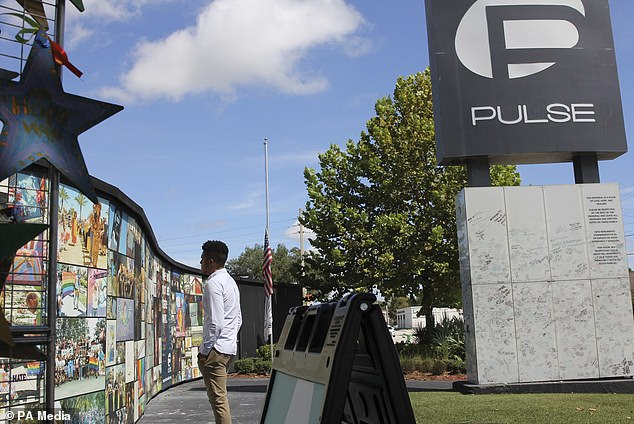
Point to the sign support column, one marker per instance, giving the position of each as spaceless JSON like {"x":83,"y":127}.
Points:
{"x":586,"y":168}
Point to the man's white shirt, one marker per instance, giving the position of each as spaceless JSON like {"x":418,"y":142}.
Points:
{"x":222,"y":315}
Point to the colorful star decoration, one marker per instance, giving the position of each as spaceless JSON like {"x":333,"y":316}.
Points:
{"x":42,"y":121}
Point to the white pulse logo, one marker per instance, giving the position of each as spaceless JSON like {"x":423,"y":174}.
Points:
{"x":476,"y":44}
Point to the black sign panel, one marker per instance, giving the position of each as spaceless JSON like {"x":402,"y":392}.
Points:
{"x":336,"y":363}
{"x":524,"y":81}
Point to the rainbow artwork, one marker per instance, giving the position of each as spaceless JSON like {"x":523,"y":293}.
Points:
{"x":93,"y":363}
{"x":68,"y":283}
{"x":33,"y":368}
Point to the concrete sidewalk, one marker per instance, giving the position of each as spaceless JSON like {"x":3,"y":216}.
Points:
{"x":187,"y":403}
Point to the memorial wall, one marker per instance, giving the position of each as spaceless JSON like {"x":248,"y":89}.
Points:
{"x":546,"y":292}
{"x":129,"y":318}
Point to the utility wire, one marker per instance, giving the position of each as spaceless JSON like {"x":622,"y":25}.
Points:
{"x":225,"y":239}
{"x":222,"y":231}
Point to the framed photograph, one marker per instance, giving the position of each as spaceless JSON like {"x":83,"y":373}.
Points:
{"x":97,"y":282}
{"x":115,"y":394}
{"x":72,"y":290}
{"x":133,"y":239}
{"x":125,"y":319}
{"x":87,"y":408}
{"x":20,"y":381}
{"x":82,"y":229}
{"x":111,"y":307}
{"x":80,"y":356}
{"x":197,"y":285}
{"x":115,"y":222}
{"x":111,"y":342}
{"x":180,"y":314}
{"x":23,"y":304}
{"x":27,"y":198}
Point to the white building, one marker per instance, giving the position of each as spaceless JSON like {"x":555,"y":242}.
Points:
{"x":406,"y":317}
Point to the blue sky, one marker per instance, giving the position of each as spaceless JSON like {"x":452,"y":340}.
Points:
{"x":204,"y":82}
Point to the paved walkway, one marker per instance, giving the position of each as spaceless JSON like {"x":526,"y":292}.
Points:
{"x":187,"y":403}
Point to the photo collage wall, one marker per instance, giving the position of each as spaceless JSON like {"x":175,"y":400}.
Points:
{"x":128,"y":323}
{"x":23,"y":199}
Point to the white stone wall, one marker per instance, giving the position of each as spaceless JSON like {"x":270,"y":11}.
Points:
{"x":407,"y":317}
{"x":545,"y":283}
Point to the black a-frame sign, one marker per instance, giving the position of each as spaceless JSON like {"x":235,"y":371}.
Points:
{"x":336,"y":363}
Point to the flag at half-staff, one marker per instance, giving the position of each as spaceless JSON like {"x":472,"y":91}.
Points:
{"x":268,"y":286}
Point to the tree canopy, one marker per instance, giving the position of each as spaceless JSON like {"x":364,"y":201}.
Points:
{"x":382,"y":209}
{"x":284,"y":266}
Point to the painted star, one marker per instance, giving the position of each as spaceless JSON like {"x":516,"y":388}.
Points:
{"x":42,"y":121}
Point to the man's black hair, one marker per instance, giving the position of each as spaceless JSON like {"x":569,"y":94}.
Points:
{"x":216,"y":250}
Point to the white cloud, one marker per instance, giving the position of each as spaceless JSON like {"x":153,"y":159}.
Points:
{"x":82,"y":26}
{"x":249,"y":201}
{"x":295,"y":232}
{"x":238,"y":43}
{"x":77,"y":34}
{"x":110,"y":10}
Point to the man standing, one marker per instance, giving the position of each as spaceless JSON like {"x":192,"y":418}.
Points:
{"x":221,"y":307}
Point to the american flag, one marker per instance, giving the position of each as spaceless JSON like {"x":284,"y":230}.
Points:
{"x":266,"y":266}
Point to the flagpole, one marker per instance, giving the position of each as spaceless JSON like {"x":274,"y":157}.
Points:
{"x":266,"y":180}
{"x":269,"y":302}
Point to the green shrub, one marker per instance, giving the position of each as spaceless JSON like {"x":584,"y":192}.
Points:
{"x":421,"y":364}
{"x":438,"y":367}
{"x":262,"y":366}
{"x":253,"y":366}
{"x":446,"y":340}
{"x":410,"y":364}
{"x":413,"y":349}
{"x":245,"y":366}
{"x":427,"y":364}
{"x":456,"y":366}
{"x":264,"y":351}
{"x":423,"y":335}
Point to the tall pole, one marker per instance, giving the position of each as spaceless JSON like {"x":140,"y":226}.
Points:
{"x":53,"y":213}
{"x":269,"y":301}
{"x":301,"y":241}
{"x":266,"y":180}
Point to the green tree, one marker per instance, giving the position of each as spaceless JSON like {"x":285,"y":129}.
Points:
{"x":63,"y":195}
{"x":71,"y":329}
{"x":382,"y":209}
{"x":249,"y":264}
{"x":81,"y":201}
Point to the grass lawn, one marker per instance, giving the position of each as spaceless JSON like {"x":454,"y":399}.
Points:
{"x":449,"y":407}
